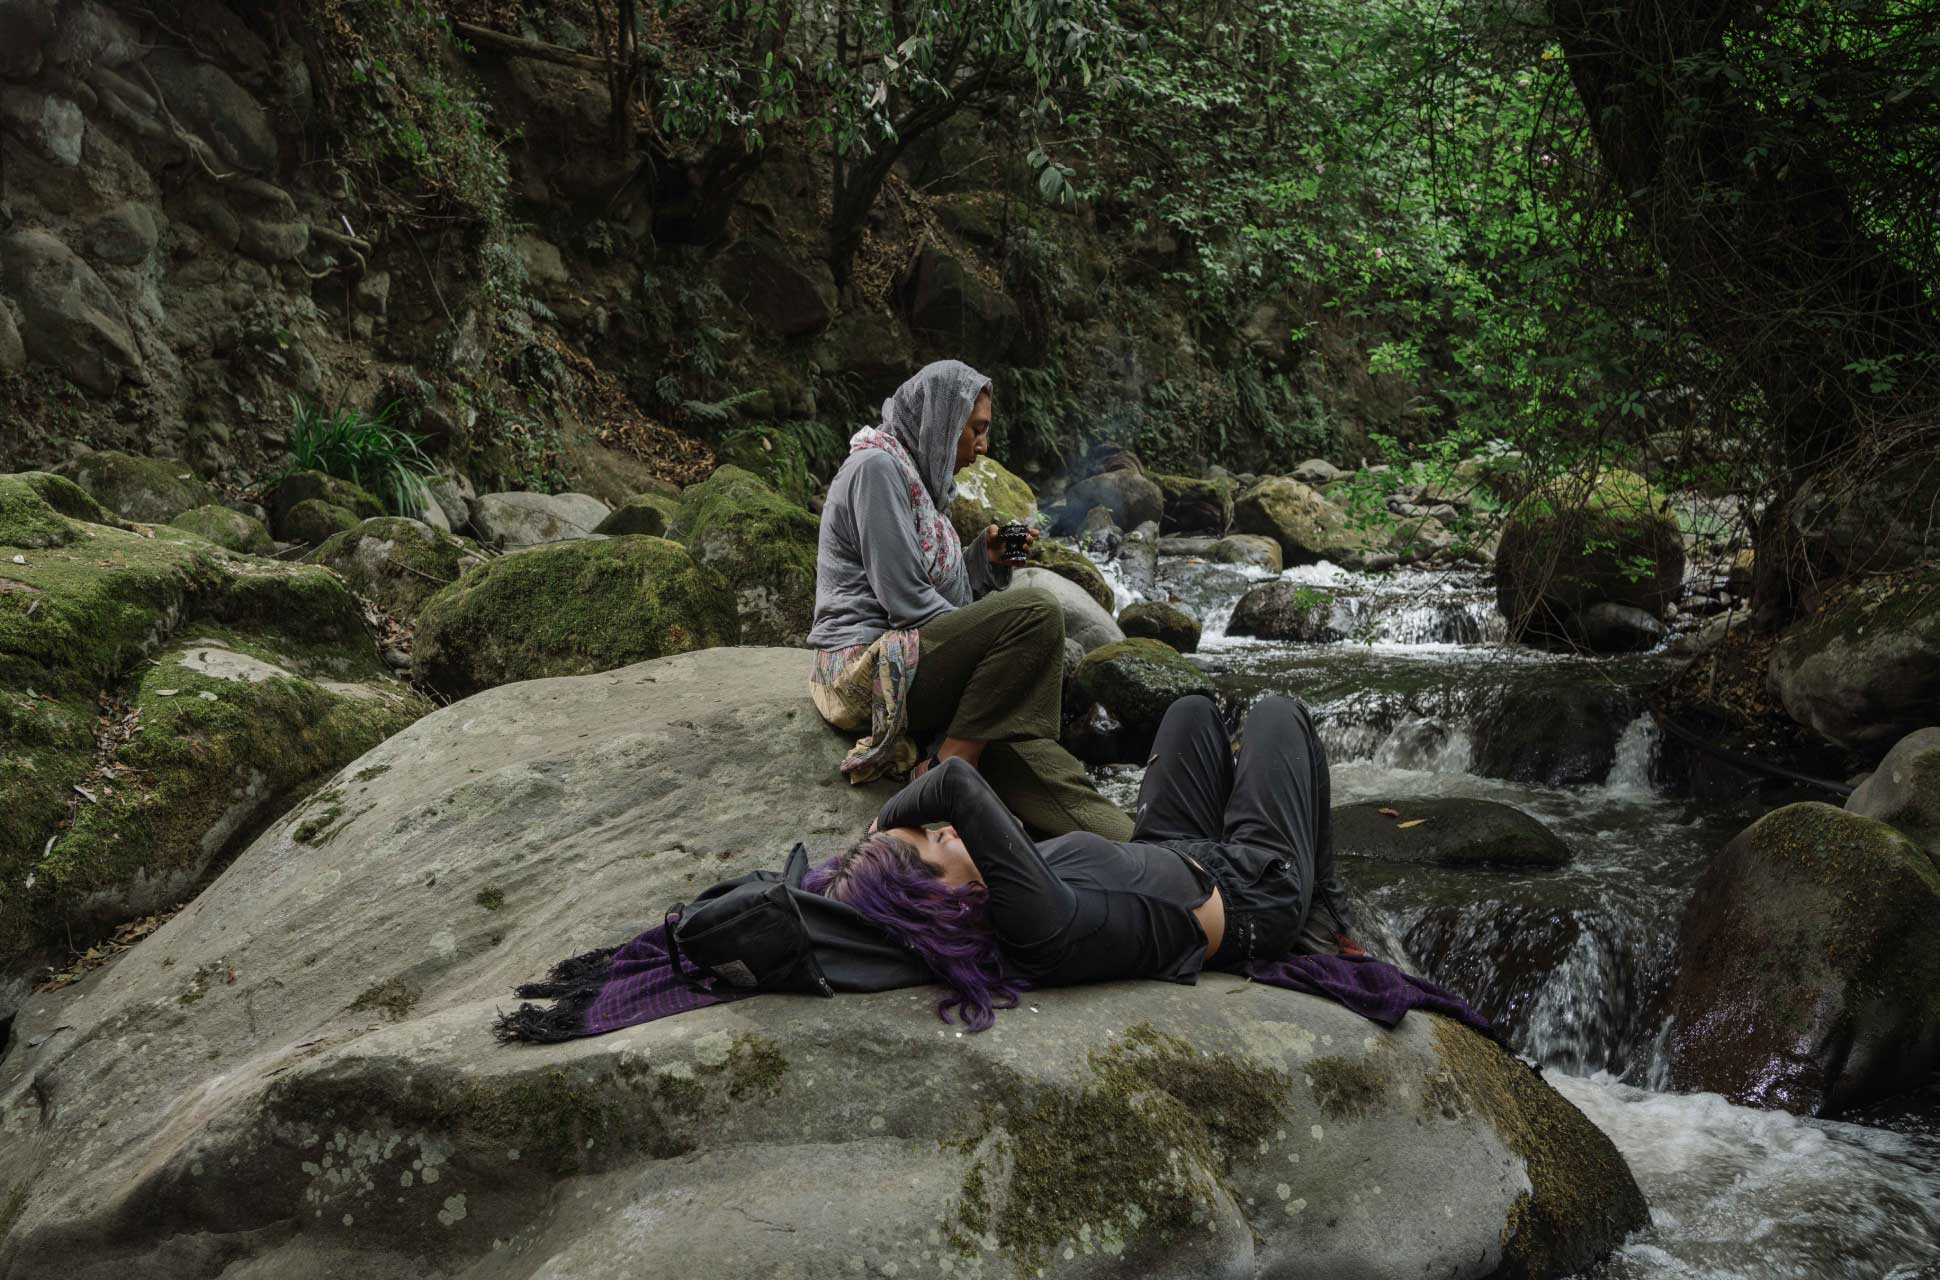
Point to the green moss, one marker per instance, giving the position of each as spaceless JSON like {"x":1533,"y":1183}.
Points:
{"x":230,"y":530}
{"x":569,"y":609}
{"x":1195,"y":505}
{"x":27,"y":521}
{"x":491,"y":897}
{"x":313,"y":522}
{"x":299,"y":487}
{"x":1573,"y":543}
{"x":763,"y":545}
{"x":654,"y":514}
{"x":989,"y":494}
{"x":372,"y":771}
{"x":1117,"y":1158}
{"x":1136,"y":680}
{"x":12,"y":1207}
{"x":1347,"y":1088}
{"x":1582,"y":1196}
{"x":395,"y":563}
{"x":68,"y":498}
{"x":1076,"y":566}
{"x":1883,"y":605}
{"x":150,"y":490}
{"x":393,"y":997}
{"x":755,"y":1067}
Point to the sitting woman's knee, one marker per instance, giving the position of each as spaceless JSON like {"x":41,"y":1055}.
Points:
{"x":1039,"y":613}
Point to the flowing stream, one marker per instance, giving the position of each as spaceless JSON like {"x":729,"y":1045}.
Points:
{"x":1426,"y":701}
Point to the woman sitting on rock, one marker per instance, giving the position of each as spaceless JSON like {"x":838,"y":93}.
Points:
{"x":916,"y":636}
{"x":1230,"y":866}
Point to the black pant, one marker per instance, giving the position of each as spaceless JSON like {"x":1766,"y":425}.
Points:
{"x":1260,"y":825}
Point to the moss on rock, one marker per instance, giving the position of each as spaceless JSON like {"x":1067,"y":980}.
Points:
{"x":1193,"y":505}
{"x":568,"y":609}
{"x":760,"y":543}
{"x":1307,"y":526}
{"x":1576,"y":542}
{"x":396,"y":563}
{"x":653,"y":514}
{"x":231,"y":530}
{"x":313,"y":522}
{"x":27,"y":521}
{"x":1157,"y":620}
{"x":1865,"y":670}
{"x":987,"y":494}
{"x":1136,"y":680}
{"x":317,"y":486}
{"x":151,"y":490}
{"x":1073,"y":566}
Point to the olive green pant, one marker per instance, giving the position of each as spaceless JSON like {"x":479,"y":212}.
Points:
{"x":994,"y":671}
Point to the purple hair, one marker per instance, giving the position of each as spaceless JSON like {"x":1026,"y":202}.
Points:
{"x":886,"y":879}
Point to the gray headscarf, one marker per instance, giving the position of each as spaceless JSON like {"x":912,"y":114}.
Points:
{"x":926,"y":415}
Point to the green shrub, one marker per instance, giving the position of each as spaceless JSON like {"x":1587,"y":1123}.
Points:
{"x":362,"y":448}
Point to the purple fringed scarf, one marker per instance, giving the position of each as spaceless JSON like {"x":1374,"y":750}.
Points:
{"x":604,"y":991}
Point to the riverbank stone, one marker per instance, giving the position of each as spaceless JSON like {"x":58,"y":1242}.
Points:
{"x":1248,"y":550}
{"x":1130,"y":497}
{"x":287,"y":492}
{"x":1070,"y":563}
{"x":313,"y":522}
{"x":763,"y":545}
{"x":1904,"y":791}
{"x":1307,"y":527}
{"x":1135,"y":681}
{"x":1158,"y":620}
{"x":517,"y":520}
{"x":395,"y":563}
{"x":654,"y":514}
{"x":348,"y":1071}
{"x":1292,"y":611}
{"x":1195,"y":506}
{"x":568,"y":609}
{"x":1449,"y":831}
{"x":1808,"y":965}
{"x":151,"y":490}
{"x":1865,"y":670}
{"x":1575,"y":543}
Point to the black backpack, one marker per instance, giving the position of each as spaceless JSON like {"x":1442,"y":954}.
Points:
{"x":762,"y":932}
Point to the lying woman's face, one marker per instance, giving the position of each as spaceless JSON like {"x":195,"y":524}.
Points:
{"x":941,"y":848}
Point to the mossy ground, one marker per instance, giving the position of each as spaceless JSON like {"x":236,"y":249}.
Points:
{"x":763,"y":545}
{"x":146,"y":489}
{"x":570,"y":609}
{"x":1123,"y":1156}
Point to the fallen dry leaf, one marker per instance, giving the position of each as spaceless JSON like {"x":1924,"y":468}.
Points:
{"x":1389,"y":813}
{"x":1412,"y":822}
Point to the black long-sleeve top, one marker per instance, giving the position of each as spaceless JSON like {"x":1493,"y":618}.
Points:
{"x":1078,"y":908}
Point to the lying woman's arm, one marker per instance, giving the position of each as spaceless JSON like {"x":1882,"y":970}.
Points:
{"x":1029,"y":905}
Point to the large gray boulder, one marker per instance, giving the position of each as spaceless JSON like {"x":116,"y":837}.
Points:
{"x":296,"y":1075}
{"x":1084,"y":620}
{"x":1904,"y":792}
{"x":72,"y":320}
{"x":1865,"y":669}
{"x":516,"y":520}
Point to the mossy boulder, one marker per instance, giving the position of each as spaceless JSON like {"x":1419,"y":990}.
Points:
{"x":1809,"y":965}
{"x":292,"y":490}
{"x":232,"y":530}
{"x":1307,"y":526}
{"x":26,"y":521}
{"x":1449,"y":831}
{"x":1280,"y":610}
{"x":654,"y":514}
{"x":763,"y":545}
{"x":313,"y":522}
{"x":1865,"y":670}
{"x":1904,"y":792}
{"x":570,"y":608}
{"x":151,"y":490}
{"x":80,"y":628}
{"x":1130,"y":496}
{"x":397,"y":563}
{"x":1193,"y":505}
{"x":1248,"y":550}
{"x":1161,"y":621}
{"x":989,"y":494}
{"x":1073,"y":566}
{"x":68,"y":498}
{"x":1576,"y":542}
{"x":1135,"y":681}
{"x":779,"y":458}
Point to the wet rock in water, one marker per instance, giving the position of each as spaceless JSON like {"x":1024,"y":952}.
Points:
{"x":151,"y":490}
{"x":987,"y":494}
{"x":1084,"y":620}
{"x":317,"y":486}
{"x":1158,"y":620}
{"x":653,"y":514}
{"x":1865,"y":671}
{"x":396,"y":563}
{"x":1068,"y":562}
{"x":762,"y":544}
{"x":1280,"y":610}
{"x":1904,"y":792}
{"x":514,"y":521}
{"x":226,"y":528}
{"x":1307,"y":526}
{"x":313,"y":522}
{"x":568,"y":609}
{"x":1449,"y":831}
{"x":1605,"y":627}
{"x":1138,"y":559}
{"x":1249,"y":550}
{"x":1136,"y":680}
{"x":1808,"y":963}
{"x":1555,"y":735}
{"x":1576,"y":543}
{"x":1130,"y":496}
{"x":324,"y":1010}
{"x":1193,"y":505}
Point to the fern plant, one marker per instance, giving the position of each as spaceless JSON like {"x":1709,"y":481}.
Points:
{"x":365,"y":449}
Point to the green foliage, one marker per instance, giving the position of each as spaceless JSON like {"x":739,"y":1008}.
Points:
{"x":365,"y":449}
{"x":791,"y":456}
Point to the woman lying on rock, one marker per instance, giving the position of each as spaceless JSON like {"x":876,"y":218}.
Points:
{"x":1230,"y":867}
{"x":918,"y":638}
